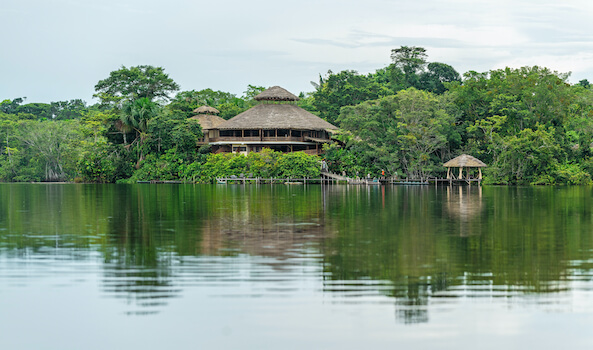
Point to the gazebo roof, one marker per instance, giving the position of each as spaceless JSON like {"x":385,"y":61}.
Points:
{"x":465,"y":161}
{"x":206,"y":110}
{"x":277,"y":116}
{"x":208,"y":122}
{"x":276,"y":93}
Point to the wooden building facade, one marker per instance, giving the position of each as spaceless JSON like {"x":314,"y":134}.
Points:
{"x":276,"y":123}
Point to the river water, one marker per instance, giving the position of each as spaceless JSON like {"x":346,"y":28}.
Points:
{"x":295,"y":267}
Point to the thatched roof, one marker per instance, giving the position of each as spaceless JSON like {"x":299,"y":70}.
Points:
{"x":206,"y":110}
{"x":208,"y":122}
{"x":276,"y":93}
{"x":277,"y":116}
{"x":465,"y":161}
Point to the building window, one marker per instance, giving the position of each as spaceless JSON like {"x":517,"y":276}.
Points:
{"x":251,"y":133}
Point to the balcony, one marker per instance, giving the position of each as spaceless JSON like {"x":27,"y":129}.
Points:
{"x":259,"y":139}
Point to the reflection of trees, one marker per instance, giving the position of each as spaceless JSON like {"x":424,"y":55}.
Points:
{"x":155,"y":226}
{"x":413,"y":245}
{"x":497,"y":241}
{"x":144,"y":233}
{"x":149,"y":228}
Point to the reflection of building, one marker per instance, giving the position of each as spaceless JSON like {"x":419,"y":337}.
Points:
{"x":464,"y":203}
{"x":276,"y":123}
{"x":258,"y":236}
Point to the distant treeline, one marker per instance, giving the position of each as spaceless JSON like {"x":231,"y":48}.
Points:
{"x":530,"y":125}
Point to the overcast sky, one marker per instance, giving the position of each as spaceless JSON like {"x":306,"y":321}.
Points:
{"x":54,"y":50}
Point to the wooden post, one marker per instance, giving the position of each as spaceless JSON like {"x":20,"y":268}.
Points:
{"x":460,"y":173}
{"x":480,"y":173}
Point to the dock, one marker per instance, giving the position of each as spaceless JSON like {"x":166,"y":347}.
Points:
{"x":331,"y":178}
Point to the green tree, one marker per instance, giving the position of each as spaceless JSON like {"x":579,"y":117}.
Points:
{"x":228,"y":104}
{"x":584,"y":83}
{"x":73,"y":109}
{"x":408,"y":132}
{"x":412,"y":61}
{"x":54,"y":145}
{"x":129,"y":84}
{"x":531,"y":156}
{"x":252,"y":91}
{"x":436,"y":76}
{"x":10,"y":106}
{"x":136,"y":114}
{"x":347,"y":88}
{"x":525,"y":96}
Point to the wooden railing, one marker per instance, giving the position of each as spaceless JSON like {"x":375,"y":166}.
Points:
{"x":258,"y":138}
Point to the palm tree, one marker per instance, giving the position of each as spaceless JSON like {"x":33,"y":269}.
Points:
{"x":136,"y":115}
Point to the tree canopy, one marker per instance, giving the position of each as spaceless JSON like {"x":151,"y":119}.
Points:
{"x":134,"y":83}
{"x":529,"y":124}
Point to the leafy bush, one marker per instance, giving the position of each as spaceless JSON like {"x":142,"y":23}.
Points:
{"x":265,"y":164}
{"x":572,"y":174}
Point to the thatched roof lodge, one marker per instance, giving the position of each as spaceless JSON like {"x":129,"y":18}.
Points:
{"x":464,"y":161}
{"x":276,"y":123}
{"x":208,"y":120}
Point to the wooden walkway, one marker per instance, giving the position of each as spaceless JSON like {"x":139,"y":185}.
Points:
{"x":330,"y":178}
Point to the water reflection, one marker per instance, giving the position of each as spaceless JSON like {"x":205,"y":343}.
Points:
{"x":409,"y":248}
{"x":464,"y":205}
{"x":490,"y":243}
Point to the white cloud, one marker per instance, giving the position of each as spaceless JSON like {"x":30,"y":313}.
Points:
{"x":228,"y":44}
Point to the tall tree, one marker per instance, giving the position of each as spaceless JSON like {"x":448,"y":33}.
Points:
{"x":347,"y":88}
{"x":412,"y":61}
{"x":10,"y":106}
{"x":52,"y":142}
{"x":137,"y":114}
{"x":436,"y":76}
{"x":134,"y":83}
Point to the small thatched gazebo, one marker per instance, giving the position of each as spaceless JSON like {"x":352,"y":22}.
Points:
{"x":206,"y":110}
{"x":464,"y":161}
{"x":208,"y":121}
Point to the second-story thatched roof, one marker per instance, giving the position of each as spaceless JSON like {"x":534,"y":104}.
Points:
{"x":277,"y":116}
{"x":465,"y":161}
{"x":208,"y":122}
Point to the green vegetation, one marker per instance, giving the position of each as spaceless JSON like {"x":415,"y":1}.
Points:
{"x":528,"y":124}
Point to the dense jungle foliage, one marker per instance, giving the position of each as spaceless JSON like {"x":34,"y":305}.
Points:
{"x":530,"y":125}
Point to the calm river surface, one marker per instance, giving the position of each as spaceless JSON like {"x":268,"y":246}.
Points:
{"x":295,"y":267}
